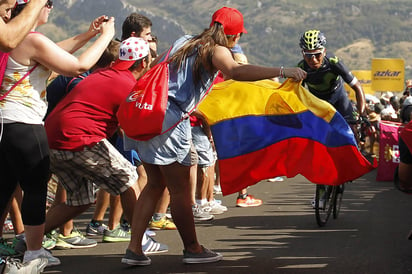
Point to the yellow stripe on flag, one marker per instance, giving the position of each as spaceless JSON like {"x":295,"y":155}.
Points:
{"x":232,"y":99}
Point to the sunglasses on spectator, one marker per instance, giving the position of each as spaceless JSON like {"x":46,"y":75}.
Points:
{"x":49,"y":4}
{"x":310,"y":55}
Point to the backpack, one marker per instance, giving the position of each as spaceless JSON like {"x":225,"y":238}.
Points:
{"x":142,"y":113}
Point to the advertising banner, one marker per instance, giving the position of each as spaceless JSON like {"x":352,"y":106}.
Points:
{"x":388,"y":150}
{"x":388,"y":74}
{"x":365,"y":79}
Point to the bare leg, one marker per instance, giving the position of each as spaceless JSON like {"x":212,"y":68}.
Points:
{"x":15,"y":211}
{"x":4,"y":215}
{"x":103,"y":200}
{"x":177,"y":179}
{"x":142,"y":180}
{"x":145,"y":206}
{"x":217,"y":174}
{"x":202,"y":184}
{"x":128,"y":200}
{"x":164,"y":202}
{"x":193,"y":183}
{"x":34,"y":236}
{"x":211,"y":183}
{"x":102,"y":203}
{"x":60,"y":197}
{"x":61,"y":213}
{"x":116,"y":211}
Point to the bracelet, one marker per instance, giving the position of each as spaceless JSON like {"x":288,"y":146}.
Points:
{"x":282,"y":72}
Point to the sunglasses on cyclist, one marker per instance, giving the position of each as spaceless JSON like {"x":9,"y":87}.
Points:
{"x":49,"y":4}
{"x":310,"y":55}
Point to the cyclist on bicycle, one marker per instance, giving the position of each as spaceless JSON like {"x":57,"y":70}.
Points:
{"x":325,"y":76}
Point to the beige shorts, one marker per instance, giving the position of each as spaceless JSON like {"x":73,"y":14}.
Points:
{"x":102,"y":165}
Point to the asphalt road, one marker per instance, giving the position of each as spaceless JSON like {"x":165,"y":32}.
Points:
{"x":281,"y":236}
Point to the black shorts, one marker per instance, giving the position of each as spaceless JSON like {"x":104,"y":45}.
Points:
{"x":24,"y":160}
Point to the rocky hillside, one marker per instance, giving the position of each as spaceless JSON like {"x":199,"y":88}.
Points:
{"x":357,"y":30}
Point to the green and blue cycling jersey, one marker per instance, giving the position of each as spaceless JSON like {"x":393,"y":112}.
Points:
{"x":327,"y":83}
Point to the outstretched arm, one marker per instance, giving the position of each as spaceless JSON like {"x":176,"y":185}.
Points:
{"x":74,"y":43}
{"x":222,"y":60}
{"x":37,"y":47}
{"x":13,"y":32}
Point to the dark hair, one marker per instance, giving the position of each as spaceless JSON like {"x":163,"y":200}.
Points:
{"x":110,"y":54}
{"x":378,"y":107}
{"x":203,"y":46}
{"x":134,"y":23}
{"x":154,"y":39}
{"x":394,"y":101}
{"x":153,"y":52}
{"x":138,"y":62}
{"x":17,"y":10}
{"x":406,"y":114}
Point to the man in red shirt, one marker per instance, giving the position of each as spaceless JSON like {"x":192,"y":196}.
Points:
{"x":78,"y":129}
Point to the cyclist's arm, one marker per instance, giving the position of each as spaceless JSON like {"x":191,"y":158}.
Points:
{"x":352,"y":81}
{"x":360,"y":97}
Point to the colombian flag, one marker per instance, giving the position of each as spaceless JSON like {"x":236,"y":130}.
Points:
{"x":263,"y":129}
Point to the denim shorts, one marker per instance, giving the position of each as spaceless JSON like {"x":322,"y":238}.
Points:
{"x":173,"y":146}
{"x":203,"y":147}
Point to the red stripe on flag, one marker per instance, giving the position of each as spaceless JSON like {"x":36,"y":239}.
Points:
{"x":319,"y":164}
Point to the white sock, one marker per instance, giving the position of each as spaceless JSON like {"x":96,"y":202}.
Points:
{"x":201,"y":202}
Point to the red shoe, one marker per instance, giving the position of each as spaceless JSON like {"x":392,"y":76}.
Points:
{"x":249,"y":201}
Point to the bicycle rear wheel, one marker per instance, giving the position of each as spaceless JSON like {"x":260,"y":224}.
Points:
{"x":338,"y":193}
{"x":323,"y":203}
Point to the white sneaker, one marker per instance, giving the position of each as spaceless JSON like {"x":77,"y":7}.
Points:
{"x":200,"y":215}
{"x":42,"y":253}
{"x":211,"y":210}
{"x":214,"y":204}
{"x":35,"y":266}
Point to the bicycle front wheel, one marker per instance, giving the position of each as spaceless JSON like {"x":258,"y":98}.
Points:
{"x":323,"y":203}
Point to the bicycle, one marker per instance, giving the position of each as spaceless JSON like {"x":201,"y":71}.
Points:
{"x":328,"y":200}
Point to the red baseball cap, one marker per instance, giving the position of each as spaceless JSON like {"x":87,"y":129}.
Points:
{"x":231,"y":19}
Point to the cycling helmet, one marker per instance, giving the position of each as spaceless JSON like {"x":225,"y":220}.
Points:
{"x":312,"y":39}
